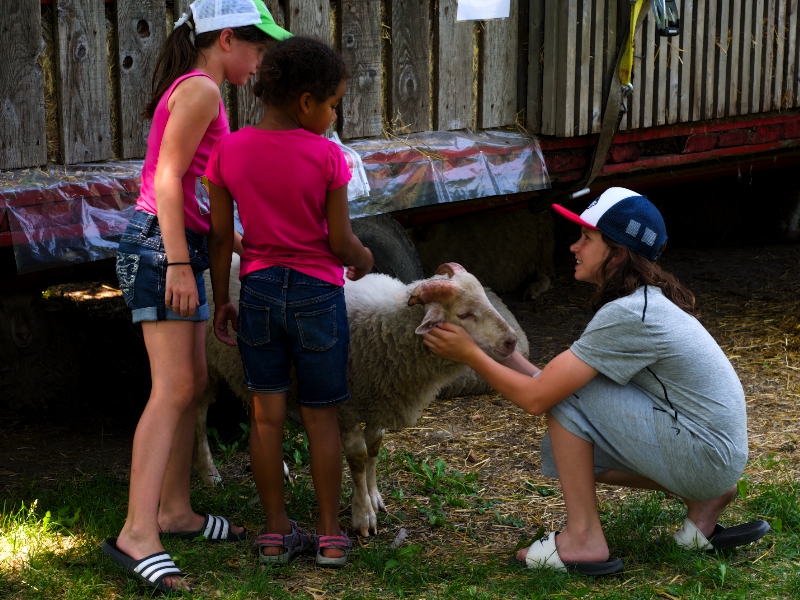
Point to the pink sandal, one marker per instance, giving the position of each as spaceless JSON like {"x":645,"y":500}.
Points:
{"x":340,"y":542}
{"x":296,"y":542}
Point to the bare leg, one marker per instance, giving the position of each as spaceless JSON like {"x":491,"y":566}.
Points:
{"x":582,"y":539}
{"x":266,"y":460}
{"x":322,"y":427}
{"x":703,"y":513}
{"x":175,"y":510}
{"x":374,"y":439}
{"x":170,"y":347}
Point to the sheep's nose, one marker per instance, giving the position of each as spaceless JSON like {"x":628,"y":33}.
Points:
{"x":510,"y":344}
{"x":23,"y":338}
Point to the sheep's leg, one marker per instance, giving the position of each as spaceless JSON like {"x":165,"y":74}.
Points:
{"x":364,"y":520}
{"x":203,"y":461}
{"x":374,"y":439}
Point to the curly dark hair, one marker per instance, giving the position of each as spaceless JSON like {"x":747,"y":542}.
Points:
{"x":298,"y":65}
{"x":633,"y":272}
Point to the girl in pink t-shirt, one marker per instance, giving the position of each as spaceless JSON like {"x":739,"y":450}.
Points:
{"x":290,"y":185}
{"x":160,"y":262}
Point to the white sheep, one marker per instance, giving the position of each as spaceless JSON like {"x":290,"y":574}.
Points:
{"x":525,"y":240}
{"x":38,"y":363}
{"x":392,"y":376}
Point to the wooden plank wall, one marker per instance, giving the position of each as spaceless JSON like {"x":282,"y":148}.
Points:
{"x":23,"y":140}
{"x":141,"y":33}
{"x":84,"y":106}
{"x":414,"y":68}
{"x":409,"y":94}
{"x":733,"y":57}
{"x":452,"y":69}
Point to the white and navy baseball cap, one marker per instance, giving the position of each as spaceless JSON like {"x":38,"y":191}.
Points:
{"x":626,"y":217}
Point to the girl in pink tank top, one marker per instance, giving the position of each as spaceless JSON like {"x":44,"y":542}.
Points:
{"x":160,"y":264}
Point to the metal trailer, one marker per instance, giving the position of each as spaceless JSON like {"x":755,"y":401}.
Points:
{"x":721,"y":97}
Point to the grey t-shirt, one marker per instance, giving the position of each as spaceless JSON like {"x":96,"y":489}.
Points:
{"x":665,"y":352}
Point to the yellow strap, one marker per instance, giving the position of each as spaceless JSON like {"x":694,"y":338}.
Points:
{"x":626,"y":64}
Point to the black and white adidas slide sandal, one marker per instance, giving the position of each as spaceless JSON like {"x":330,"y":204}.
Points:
{"x":151,"y":570}
{"x":215,"y":529}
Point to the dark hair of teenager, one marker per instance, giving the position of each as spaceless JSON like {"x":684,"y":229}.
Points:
{"x":179,"y":55}
{"x":633,"y":272}
{"x":298,"y":65}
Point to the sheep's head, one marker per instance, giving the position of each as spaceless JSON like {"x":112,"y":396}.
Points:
{"x":455,"y":296}
{"x":22,"y":317}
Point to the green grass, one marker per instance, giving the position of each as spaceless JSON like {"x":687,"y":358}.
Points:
{"x":50,"y":537}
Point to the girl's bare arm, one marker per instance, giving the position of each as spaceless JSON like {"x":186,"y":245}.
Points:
{"x":344,"y":244}
{"x":562,"y":377}
{"x":220,"y":245}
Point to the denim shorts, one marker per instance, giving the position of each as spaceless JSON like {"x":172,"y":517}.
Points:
{"x":285,"y":318}
{"x":142,"y":270}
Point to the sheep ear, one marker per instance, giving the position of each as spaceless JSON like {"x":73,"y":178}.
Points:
{"x":450,"y":269}
{"x":433,"y":317}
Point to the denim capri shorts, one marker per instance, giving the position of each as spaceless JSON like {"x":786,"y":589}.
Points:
{"x":288,"y":318}
{"x":142,"y":270}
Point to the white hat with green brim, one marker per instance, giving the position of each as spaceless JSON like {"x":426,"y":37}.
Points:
{"x":214,"y":15}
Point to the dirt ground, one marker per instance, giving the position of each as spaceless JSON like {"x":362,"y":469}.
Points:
{"x":747,"y":295}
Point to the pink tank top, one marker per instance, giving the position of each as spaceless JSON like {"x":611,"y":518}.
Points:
{"x":196,"y":203}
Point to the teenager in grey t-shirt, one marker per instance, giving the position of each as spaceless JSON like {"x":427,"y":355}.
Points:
{"x":644,"y":399}
{"x":667,"y":354}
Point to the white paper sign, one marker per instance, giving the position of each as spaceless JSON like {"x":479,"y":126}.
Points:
{"x":480,"y":10}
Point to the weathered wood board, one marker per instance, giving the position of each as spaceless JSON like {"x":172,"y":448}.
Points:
{"x":585,"y":25}
{"x":310,"y":18}
{"x":736,"y":55}
{"x":497,"y":87}
{"x":361,"y":50}
{"x":180,"y":7}
{"x":408,"y":69}
{"x":599,"y":28}
{"x":249,"y":109}
{"x":23,"y":141}
{"x":550,"y":59}
{"x":84,"y":107}
{"x":560,"y":58}
{"x":685,"y":57}
{"x":757,"y":68}
{"x":140,"y":38}
{"x":453,"y":70}
{"x":791,"y":55}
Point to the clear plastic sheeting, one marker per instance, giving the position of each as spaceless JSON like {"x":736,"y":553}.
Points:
{"x":446,"y":166}
{"x":60,"y":216}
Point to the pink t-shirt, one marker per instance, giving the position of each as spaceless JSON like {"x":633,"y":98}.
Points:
{"x":195,"y":196}
{"x":279,"y":180}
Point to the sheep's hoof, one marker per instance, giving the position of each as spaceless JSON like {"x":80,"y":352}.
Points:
{"x":211,"y":480}
{"x":365,"y":525}
{"x":377,"y":502}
